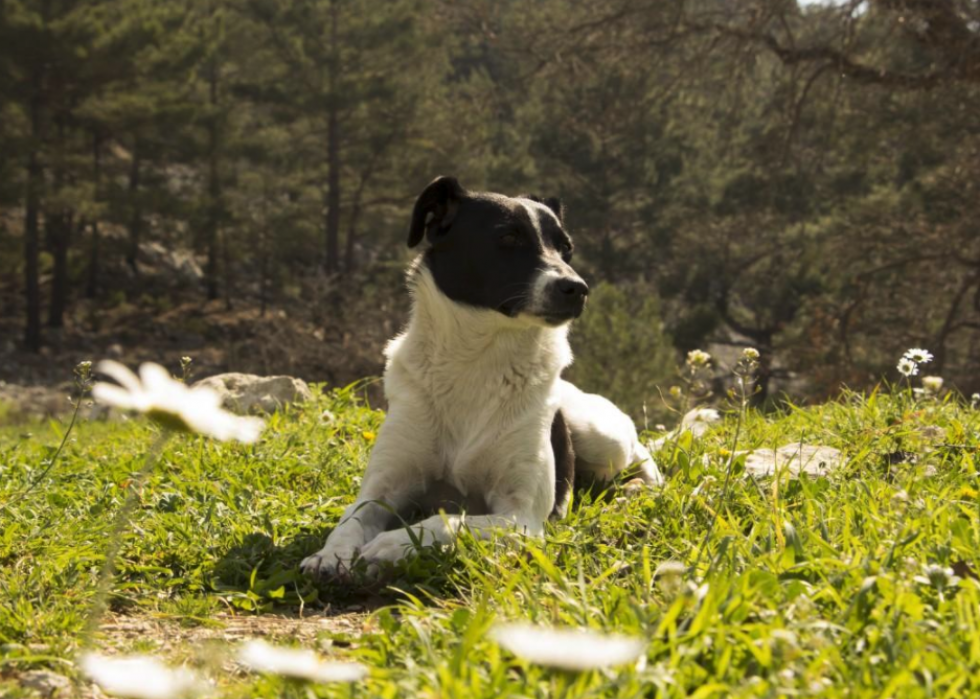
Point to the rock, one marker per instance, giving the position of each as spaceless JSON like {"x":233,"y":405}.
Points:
{"x":245,"y":393}
{"x":814,"y":460}
{"x":47,"y":683}
{"x":160,"y":259}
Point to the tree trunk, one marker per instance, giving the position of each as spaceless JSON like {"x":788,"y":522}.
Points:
{"x":212,"y":231}
{"x":35,"y":175}
{"x":58,"y":226}
{"x":92,"y":283}
{"x":333,"y":152}
{"x":136,"y":210}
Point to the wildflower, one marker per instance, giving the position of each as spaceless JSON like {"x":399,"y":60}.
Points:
{"x":669,"y":576}
{"x":900,"y":500}
{"x":297,"y":663}
{"x":567,"y":649}
{"x":140,"y":677}
{"x":937,"y":576}
{"x":906,"y":367}
{"x":676,"y":391}
{"x":698,"y":358}
{"x":172,"y":404}
{"x":369,"y":435}
{"x":919,"y":356}
{"x":975,"y":400}
{"x":932,"y":384}
{"x":750,"y":354}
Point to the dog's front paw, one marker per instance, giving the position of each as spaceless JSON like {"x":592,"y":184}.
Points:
{"x":389,"y":547}
{"x":330,"y":562}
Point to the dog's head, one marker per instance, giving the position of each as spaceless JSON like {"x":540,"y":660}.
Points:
{"x":507,"y":254}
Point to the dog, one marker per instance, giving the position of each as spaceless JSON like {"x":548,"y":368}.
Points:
{"x":481,"y":429}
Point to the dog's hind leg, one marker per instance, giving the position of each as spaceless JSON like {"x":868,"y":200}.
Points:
{"x":604,"y":438}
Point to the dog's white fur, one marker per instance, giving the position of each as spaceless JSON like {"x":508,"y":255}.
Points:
{"x":472,"y":396}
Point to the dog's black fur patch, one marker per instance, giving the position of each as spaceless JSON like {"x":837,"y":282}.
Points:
{"x":561,"y":445}
{"x":485,"y":251}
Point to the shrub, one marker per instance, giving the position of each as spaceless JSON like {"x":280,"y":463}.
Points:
{"x":621,"y":349}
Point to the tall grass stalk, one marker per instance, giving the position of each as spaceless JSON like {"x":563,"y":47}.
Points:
{"x":103,"y":585}
{"x":83,"y":382}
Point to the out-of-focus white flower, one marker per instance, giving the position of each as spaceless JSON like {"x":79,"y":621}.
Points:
{"x":140,"y":677}
{"x":750,"y":354}
{"x":918,"y":355}
{"x":975,"y":400}
{"x":698,"y":358}
{"x":932,"y":384}
{"x":670,"y":576}
{"x":297,"y":663}
{"x":670,"y":569}
{"x":172,"y":404}
{"x":906,"y":367}
{"x":567,"y":649}
{"x":937,"y":576}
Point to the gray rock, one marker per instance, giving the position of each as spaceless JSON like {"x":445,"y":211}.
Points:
{"x":814,"y":460}
{"x":47,"y":683}
{"x":246,"y":393}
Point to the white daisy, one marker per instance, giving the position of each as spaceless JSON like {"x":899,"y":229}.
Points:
{"x":568,"y":649}
{"x":140,"y":677}
{"x":298,"y":663}
{"x":906,"y":367}
{"x":172,"y":404}
{"x":919,"y":356}
{"x":932,"y":384}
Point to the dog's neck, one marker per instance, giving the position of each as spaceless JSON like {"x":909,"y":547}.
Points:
{"x":458,"y":337}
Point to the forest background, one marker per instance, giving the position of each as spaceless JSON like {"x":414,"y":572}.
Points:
{"x":232,"y":179}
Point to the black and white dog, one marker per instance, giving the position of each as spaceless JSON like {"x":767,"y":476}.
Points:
{"x":481,"y":431}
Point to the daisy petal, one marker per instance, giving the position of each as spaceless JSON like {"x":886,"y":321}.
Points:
{"x":568,"y":649}
{"x":156,"y":378}
{"x":299,"y":663}
{"x":140,"y":677}
{"x":121,"y":374}
{"x":108,"y":394}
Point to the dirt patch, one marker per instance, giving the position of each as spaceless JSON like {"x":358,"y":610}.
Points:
{"x":169,"y":634}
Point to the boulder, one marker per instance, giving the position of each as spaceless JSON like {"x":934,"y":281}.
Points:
{"x":814,"y":460}
{"x":247,"y":393}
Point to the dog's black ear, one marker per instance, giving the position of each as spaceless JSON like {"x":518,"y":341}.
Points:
{"x":553,"y":203}
{"x":435,"y":209}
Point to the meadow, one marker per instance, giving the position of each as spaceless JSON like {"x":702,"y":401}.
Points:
{"x":861,"y":584}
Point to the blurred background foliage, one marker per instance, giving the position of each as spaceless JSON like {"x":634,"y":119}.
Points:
{"x":232,"y":179}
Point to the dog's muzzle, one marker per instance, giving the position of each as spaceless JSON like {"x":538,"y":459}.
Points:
{"x":564,"y":300}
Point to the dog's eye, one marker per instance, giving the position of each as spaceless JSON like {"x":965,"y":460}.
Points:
{"x":511,"y":239}
{"x":565,"y":248}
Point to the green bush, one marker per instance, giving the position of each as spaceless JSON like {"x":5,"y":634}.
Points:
{"x":621,"y":349}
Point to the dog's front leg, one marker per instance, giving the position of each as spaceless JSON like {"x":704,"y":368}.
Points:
{"x":390,"y":483}
{"x":361,"y":522}
{"x":442,"y":530}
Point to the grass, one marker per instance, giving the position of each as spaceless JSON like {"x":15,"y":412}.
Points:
{"x":822,"y":587}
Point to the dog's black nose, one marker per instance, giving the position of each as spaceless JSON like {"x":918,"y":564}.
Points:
{"x":575,"y":288}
